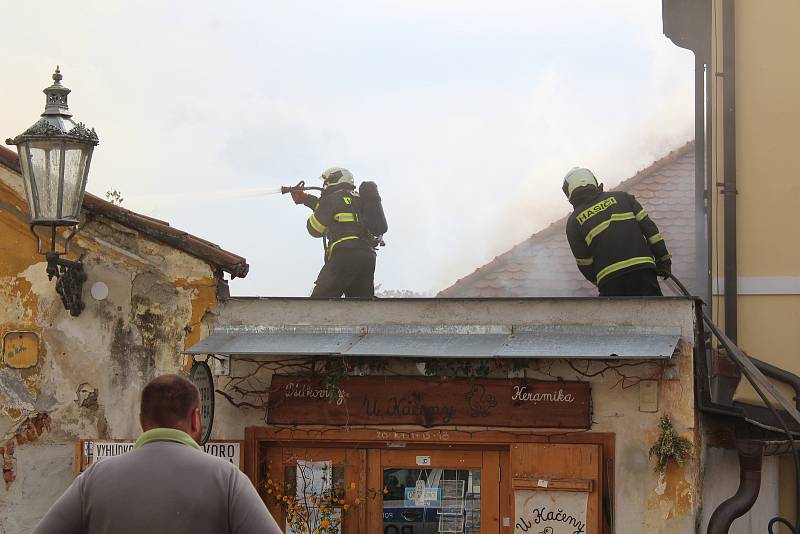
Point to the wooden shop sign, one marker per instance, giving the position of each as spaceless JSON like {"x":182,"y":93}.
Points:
{"x":430,"y":401}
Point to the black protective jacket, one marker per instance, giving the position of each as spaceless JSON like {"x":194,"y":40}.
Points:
{"x":336,"y":218}
{"x":611,"y":234}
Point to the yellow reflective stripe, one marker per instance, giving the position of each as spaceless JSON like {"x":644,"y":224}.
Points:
{"x":344,"y":217}
{"x":653,"y":239}
{"x":584,"y":261}
{"x":348,"y":238}
{"x":614,"y":267}
{"x":641,"y":215}
{"x":316,"y":225}
{"x":628,"y":215}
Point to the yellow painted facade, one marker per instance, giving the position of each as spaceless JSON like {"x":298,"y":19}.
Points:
{"x":767,"y":87}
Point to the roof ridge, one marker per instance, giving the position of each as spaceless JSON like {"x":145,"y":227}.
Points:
{"x":560,"y":222}
{"x":673,"y":155}
{"x":157,"y":229}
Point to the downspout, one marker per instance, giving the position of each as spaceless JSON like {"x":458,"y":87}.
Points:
{"x":729,"y":157}
{"x":700,"y":196}
{"x":750,"y":454}
{"x":709,"y":177}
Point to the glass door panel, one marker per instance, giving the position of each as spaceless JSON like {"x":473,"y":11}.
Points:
{"x":431,"y":501}
{"x":437,"y":491}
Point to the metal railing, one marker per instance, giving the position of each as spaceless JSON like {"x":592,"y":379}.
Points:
{"x":740,"y":503}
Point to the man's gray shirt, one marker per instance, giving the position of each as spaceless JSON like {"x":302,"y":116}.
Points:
{"x":160,"y":487}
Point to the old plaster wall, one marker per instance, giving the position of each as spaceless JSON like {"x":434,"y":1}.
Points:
{"x":643,"y":500}
{"x":88,"y":371}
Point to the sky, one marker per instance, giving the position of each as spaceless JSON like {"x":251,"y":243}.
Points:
{"x":466,"y":113}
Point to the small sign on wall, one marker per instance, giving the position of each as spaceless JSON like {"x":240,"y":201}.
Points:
{"x":21,"y":349}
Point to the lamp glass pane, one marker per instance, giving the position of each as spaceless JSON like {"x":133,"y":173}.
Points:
{"x":45,"y":166}
{"x":22,"y":149}
{"x":75,"y":169}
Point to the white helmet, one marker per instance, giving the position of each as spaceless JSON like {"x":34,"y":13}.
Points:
{"x":336,"y":175}
{"x":577,"y":177}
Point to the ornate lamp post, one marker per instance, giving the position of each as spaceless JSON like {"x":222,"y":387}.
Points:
{"x":55,"y":154}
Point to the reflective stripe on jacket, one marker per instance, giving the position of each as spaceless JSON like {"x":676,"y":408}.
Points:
{"x":611,"y":234}
{"x":336,"y":218}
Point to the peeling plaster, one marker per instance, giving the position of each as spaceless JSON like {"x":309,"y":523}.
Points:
{"x":91,"y":368}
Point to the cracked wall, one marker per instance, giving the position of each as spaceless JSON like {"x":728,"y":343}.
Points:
{"x":87,"y":371}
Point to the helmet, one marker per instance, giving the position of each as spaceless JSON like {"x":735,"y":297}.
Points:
{"x":336,"y":175}
{"x":577,"y":177}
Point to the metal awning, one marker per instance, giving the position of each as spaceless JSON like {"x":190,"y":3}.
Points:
{"x":460,"y":341}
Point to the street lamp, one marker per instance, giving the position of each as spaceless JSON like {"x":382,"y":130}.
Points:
{"x":55,"y":154}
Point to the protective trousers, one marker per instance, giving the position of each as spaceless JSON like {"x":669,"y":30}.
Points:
{"x":349,"y":272}
{"x":639,"y":283}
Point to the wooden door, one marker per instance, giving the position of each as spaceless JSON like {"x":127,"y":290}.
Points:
{"x":568,"y":471}
{"x":430,"y":491}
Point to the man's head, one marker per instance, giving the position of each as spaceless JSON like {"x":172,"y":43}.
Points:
{"x":171,"y":401}
{"x":578,"y":178}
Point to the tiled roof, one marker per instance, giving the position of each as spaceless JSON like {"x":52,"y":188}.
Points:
{"x":543,"y":266}
{"x":161,"y":231}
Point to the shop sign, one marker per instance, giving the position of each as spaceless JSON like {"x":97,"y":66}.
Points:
{"x":550,"y":512}
{"x":95,"y":451}
{"x":200,"y":376}
{"x":430,"y":401}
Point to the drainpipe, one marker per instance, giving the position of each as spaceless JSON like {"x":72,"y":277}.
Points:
{"x":729,"y":157}
{"x":700,"y":230}
{"x":709,"y":177}
{"x":687,"y":24}
{"x":750,"y":454}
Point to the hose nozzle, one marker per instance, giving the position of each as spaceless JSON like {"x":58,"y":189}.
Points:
{"x":288,"y":189}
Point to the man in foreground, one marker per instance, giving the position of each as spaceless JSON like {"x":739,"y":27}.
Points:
{"x":166,"y":484}
{"x":615,"y":243}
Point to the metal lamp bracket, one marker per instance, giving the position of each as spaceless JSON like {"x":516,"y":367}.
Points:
{"x":53,"y":239}
{"x":69,"y":274}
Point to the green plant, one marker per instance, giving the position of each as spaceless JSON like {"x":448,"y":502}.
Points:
{"x":115,"y":197}
{"x":669,"y":446}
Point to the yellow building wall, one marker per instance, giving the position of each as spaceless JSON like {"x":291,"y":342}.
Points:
{"x":768,"y":184}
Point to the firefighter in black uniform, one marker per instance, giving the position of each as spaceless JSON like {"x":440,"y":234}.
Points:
{"x":615,"y":243}
{"x":349,"y":268}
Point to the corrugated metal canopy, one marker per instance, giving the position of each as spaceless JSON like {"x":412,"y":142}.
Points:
{"x":467,"y":341}
{"x":591,"y":342}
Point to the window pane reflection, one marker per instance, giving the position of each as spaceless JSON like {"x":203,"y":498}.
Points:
{"x":431,"y":501}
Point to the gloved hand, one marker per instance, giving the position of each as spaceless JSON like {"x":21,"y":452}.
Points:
{"x":298,"y":196}
{"x":664,"y":268}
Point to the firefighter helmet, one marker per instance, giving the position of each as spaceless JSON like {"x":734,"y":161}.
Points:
{"x":577,"y":177}
{"x":336,"y":175}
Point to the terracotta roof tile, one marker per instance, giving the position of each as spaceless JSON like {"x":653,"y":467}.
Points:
{"x":161,"y":231}
{"x":543,"y":266}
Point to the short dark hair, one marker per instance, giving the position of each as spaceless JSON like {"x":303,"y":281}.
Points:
{"x":167,"y":400}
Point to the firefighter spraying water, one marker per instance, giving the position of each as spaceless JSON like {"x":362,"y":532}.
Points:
{"x":351,"y":224}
